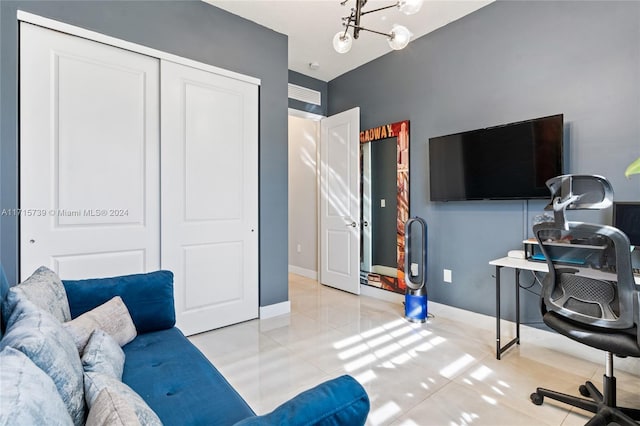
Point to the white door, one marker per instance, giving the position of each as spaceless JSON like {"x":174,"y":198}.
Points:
{"x":89,"y":157}
{"x":340,"y":201}
{"x":210,"y":196}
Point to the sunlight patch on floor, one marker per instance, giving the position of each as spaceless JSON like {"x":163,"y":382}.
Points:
{"x":384,"y":413}
{"x":365,"y":377}
{"x":489,"y":400}
{"x":456,"y":366}
{"x":481,"y":373}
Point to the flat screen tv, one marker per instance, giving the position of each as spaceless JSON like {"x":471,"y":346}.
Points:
{"x":512,"y":161}
{"x":626,"y":217}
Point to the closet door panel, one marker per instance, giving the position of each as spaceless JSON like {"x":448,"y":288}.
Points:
{"x":89,"y":157}
{"x":210,"y":196}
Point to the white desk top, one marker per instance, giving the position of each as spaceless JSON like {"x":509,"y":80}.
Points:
{"x":513,"y":262}
{"x":527,"y":265}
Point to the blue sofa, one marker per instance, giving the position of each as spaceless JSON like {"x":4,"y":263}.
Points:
{"x":176,"y":380}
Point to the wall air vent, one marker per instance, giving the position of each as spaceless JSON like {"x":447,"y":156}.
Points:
{"x":303,"y":94}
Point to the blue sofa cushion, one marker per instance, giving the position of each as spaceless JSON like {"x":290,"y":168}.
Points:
{"x":180,"y":385}
{"x":4,"y":289}
{"x":148,"y":297}
{"x":29,"y":396}
{"x":341,"y":401}
{"x":4,"y":284}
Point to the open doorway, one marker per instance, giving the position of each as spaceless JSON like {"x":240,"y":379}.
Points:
{"x":304,"y":136}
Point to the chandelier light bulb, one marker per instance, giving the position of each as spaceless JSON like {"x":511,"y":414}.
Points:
{"x":398,"y":38}
{"x":342,"y":42}
{"x":410,"y":7}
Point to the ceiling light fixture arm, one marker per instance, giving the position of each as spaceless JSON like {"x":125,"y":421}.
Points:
{"x":367,"y":29}
{"x":396,"y":4}
{"x":398,"y":37}
{"x":353,"y":20}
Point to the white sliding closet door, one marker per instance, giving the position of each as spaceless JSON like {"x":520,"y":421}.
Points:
{"x":209,"y":196}
{"x":89,"y":157}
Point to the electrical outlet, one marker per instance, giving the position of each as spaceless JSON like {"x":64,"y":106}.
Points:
{"x":299,"y":248}
{"x":447,"y":276}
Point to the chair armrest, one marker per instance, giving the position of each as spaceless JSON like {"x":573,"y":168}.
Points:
{"x":148,"y":297}
{"x":340,"y":401}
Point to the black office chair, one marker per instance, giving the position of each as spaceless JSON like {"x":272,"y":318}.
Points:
{"x":582,"y":297}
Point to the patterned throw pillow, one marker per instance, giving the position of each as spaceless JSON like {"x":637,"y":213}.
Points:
{"x":45,"y":290}
{"x":95,"y":383}
{"x":29,"y":396}
{"x":112,"y":317}
{"x":103,"y":355}
{"x":41,"y":337}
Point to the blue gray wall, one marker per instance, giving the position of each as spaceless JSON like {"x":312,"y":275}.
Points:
{"x":509,"y":61}
{"x":191,"y":29}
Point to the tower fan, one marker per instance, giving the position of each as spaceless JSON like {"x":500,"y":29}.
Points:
{"x":415,"y":267}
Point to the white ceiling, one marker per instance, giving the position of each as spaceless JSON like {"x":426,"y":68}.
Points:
{"x":311,"y":25}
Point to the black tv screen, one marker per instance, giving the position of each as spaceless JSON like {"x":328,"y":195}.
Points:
{"x":626,"y":217}
{"x":512,"y":161}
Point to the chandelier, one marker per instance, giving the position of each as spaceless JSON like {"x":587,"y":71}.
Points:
{"x":398,"y":37}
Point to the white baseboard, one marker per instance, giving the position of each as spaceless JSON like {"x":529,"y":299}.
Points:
{"x":304,"y":272}
{"x":275,"y":310}
{"x":378,"y":293}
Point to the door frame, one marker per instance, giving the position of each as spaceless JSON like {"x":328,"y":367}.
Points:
{"x":318,"y":118}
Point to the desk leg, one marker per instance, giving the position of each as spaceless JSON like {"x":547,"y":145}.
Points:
{"x":498,"y":351}
{"x":516,"y":340}
{"x":517,"y":306}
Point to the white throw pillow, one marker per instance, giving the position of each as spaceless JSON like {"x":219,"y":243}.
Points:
{"x":112,"y":317}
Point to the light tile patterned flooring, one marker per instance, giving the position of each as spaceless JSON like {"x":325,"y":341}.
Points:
{"x":443,"y":372}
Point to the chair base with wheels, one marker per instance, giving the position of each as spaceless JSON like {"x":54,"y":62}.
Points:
{"x":603,"y":405}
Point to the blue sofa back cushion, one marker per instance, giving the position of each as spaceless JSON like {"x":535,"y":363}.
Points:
{"x":340,"y":401}
{"x":190,"y":392}
{"x":148,"y":297}
{"x":4,"y":289}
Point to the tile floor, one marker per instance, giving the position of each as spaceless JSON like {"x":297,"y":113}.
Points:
{"x":443,"y":372}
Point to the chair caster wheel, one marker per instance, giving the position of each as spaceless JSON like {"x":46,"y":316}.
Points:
{"x":584,"y":391}
{"x":536,"y":398}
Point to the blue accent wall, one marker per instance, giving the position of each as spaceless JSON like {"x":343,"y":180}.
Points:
{"x":188,"y":28}
{"x":509,"y":61}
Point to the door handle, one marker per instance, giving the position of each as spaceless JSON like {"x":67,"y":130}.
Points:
{"x":365,"y":224}
{"x":352,"y":224}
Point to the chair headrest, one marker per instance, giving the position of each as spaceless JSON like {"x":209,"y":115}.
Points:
{"x":578,"y":192}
